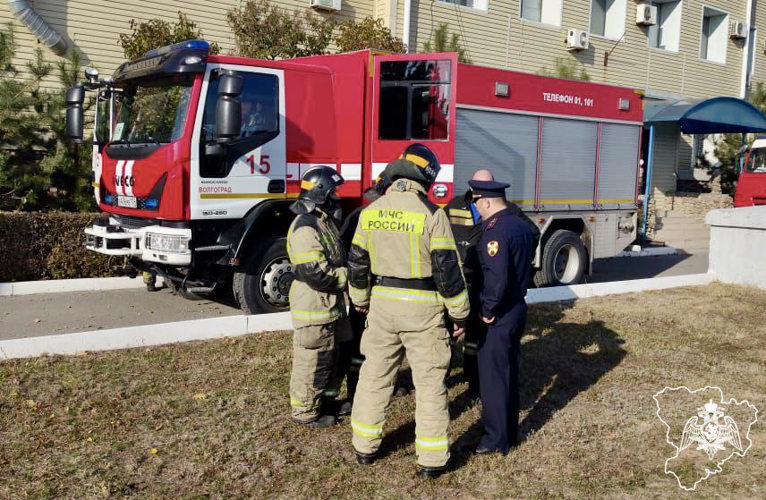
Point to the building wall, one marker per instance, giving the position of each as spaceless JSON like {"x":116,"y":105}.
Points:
{"x":500,"y":38}
{"x":495,"y":37}
{"x":759,"y":22}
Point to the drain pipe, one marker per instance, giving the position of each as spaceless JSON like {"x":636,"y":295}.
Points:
{"x":406,"y":22}
{"x":39,"y":27}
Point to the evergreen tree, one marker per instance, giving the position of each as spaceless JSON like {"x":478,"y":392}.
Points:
{"x":39,"y":169}
{"x":443,"y":42}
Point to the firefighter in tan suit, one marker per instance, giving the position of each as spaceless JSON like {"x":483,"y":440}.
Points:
{"x":406,"y":242}
{"x":321,"y":347}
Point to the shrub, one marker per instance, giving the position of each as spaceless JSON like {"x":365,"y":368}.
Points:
{"x":266,"y":31}
{"x":367,"y":34}
{"x":156,"y":33}
{"x":38,"y":245}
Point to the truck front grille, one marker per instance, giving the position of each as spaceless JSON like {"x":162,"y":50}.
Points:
{"x":134,"y":222}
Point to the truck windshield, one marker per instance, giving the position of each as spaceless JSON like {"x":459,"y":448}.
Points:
{"x":757,"y":163}
{"x":153,"y":111}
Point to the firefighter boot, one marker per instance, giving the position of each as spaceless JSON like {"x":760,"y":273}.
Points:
{"x":431,"y":472}
{"x":150,"y":280}
{"x":312,"y":371}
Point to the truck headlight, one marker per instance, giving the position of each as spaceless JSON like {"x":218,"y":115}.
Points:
{"x":167,"y":243}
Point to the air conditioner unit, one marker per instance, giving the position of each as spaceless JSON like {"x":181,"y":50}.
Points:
{"x":577,"y":39}
{"x":333,"y":5}
{"x":738,"y":29}
{"x":646,"y":14}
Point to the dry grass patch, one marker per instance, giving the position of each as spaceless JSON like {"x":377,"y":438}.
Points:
{"x":210,"y":419}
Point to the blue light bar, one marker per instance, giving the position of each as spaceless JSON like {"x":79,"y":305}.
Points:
{"x":152,"y":204}
{"x":189,"y":44}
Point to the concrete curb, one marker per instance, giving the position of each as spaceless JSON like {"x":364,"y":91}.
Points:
{"x":143,"y":336}
{"x":560,"y":293}
{"x":233,"y":326}
{"x":73,"y":285}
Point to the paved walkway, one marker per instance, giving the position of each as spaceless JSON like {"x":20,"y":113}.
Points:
{"x":55,"y":313}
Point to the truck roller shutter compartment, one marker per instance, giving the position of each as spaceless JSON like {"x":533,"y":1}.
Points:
{"x":503,"y":143}
{"x":568,"y":170}
{"x":617,"y":166}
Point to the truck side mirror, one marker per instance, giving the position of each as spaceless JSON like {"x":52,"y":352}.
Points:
{"x":75,"y":96}
{"x":228,"y":109}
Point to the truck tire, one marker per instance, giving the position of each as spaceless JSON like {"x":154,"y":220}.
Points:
{"x":564,"y":260}
{"x":264,"y":283}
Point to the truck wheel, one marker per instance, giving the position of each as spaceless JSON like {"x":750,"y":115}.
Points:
{"x":264,"y":285}
{"x":564,"y":260}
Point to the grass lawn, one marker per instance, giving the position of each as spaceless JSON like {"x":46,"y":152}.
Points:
{"x":210,"y":419}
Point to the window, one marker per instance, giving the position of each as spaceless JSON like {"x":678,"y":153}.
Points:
{"x":414,"y":100}
{"x":607,"y":18}
{"x":474,"y":4}
{"x":542,"y":11}
{"x":153,"y":111}
{"x":666,"y":34}
{"x":260,"y":121}
{"x":757,"y":163}
{"x":714,"y":37}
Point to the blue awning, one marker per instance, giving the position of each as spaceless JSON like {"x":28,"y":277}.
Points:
{"x":717,"y":115}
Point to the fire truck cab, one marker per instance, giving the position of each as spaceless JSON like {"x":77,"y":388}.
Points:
{"x":196,"y":157}
{"x":751,"y":182}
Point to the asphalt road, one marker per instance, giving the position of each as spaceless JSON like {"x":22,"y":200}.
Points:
{"x":55,"y":313}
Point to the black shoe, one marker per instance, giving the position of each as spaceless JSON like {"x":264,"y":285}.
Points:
{"x":365,"y":458}
{"x":321,"y":422}
{"x":344,"y":409}
{"x":431,"y":472}
{"x":483,"y":450}
{"x":400,"y":392}
{"x":151,"y":287}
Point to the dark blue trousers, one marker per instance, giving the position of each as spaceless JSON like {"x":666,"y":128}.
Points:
{"x":499,"y":360}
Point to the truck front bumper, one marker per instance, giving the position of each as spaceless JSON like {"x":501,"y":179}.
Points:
{"x":160,"y":244}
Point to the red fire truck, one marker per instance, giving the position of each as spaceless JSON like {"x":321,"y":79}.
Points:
{"x":750,"y":164}
{"x":197,"y":157}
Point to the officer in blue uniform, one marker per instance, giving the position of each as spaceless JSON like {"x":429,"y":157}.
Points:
{"x":505,"y":252}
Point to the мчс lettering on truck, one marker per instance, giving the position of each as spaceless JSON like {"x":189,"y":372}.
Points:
{"x":197,"y":157}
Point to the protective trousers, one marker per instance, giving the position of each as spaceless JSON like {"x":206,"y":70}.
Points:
{"x":396,"y":329}
{"x":320,"y":361}
{"x":357,"y":321}
{"x":475,"y":332}
{"x":499,"y":365}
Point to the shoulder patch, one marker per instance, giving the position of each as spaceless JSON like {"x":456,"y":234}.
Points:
{"x":492,"y":248}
